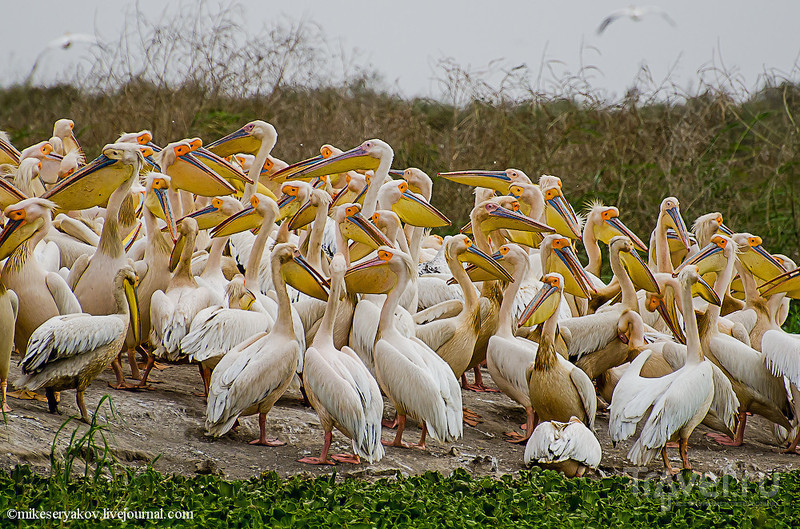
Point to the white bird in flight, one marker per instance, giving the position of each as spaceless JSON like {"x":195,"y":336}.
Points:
{"x":68,"y":39}
{"x":635,"y":13}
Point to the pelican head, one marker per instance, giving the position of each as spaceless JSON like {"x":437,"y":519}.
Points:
{"x":545,"y":302}
{"x":143,"y":137}
{"x":558,"y":212}
{"x":296,"y":271}
{"x":671,"y":216}
{"x":247,"y":139}
{"x":490,"y":216}
{"x":366,"y":156}
{"x":355,"y":227}
{"x":461,"y":248}
{"x":756,"y":258}
{"x":25,"y":219}
{"x":713,"y":256}
{"x":188,"y":172}
{"x":293,"y":196}
{"x":605,"y":223}
{"x":93,"y":184}
{"x":412,"y":208}
{"x":262,"y":208}
{"x":418,"y":182}
{"x":530,"y":197}
{"x":380,"y":274}
{"x":157,"y":201}
{"x":38,"y":150}
{"x":558,"y":256}
{"x":640,"y":274}
{"x":305,"y":215}
{"x":707,"y":225}
{"x":128,"y":282}
{"x":499,"y":181}
{"x":220,"y":209}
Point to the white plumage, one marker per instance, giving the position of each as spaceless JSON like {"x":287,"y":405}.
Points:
{"x":554,"y":442}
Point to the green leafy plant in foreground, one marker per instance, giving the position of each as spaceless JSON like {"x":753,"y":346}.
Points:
{"x":531,"y":499}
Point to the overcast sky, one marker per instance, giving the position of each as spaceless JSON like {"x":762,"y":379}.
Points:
{"x":405,"y":40}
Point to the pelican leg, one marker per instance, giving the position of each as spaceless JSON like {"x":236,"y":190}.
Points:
{"x":478,"y":385}
{"x":52,"y":400}
{"x":667,"y":466}
{"x":323,"y":456}
{"x":205,"y":384}
{"x":514,"y":437}
{"x":116,"y":365}
{"x":353,"y":459}
{"x":135,"y":374}
{"x":738,"y":440}
{"x":262,"y":438}
{"x":684,"y":450}
{"x":421,"y":444}
{"x":3,"y":385}
{"x":398,"y":438}
{"x":151,"y":362}
{"x":580,"y":472}
{"x":471,"y":418}
{"x":82,"y":406}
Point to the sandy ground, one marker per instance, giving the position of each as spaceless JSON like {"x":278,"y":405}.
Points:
{"x":165,"y":424}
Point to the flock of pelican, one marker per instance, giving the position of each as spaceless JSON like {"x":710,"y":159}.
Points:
{"x":323,"y":272}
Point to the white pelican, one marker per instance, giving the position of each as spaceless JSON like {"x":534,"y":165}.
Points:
{"x":41,"y":294}
{"x":757,"y":389}
{"x":257,"y":137}
{"x":557,"y":388}
{"x":340,"y":388}
{"x":172,"y":311}
{"x":153,"y":272}
{"x":9,"y":306}
{"x":602,"y":224}
{"x":635,"y":13}
{"x":677,"y":402}
{"x":417,"y":381}
{"x":70,"y":351}
{"x":253,"y":376}
{"x":669,"y":216}
{"x":454,"y":338}
{"x":508,"y":356}
{"x":92,"y":277}
{"x":568,"y":447}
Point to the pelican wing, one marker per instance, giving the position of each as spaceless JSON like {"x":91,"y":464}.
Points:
{"x":683,"y":400}
{"x":443,"y":310}
{"x":437,"y":333}
{"x":590,"y":333}
{"x":217,"y":330}
{"x":449,"y":389}
{"x":553,"y":442}
{"x":782,"y":354}
{"x":585,"y":388}
{"x":70,"y":335}
{"x":64,"y":298}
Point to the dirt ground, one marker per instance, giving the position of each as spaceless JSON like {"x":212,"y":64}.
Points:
{"x":167,"y":421}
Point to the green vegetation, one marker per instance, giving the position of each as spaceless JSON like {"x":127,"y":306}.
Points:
{"x":533,"y":499}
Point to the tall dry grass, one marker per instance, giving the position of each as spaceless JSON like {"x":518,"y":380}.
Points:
{"x":721,"y":149}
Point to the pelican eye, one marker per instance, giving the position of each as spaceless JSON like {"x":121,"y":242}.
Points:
{"x":504,"y":250}
{"x":515,"y":190}
{"x":719,"y":241}
{"x":553,"y":281}
{"x":609,"y":214}
{"x":383,"y":255}
{"x":551,"y":194}
{"x":17,"y":215}
{"x":326,"y":152}
{"x":180,"y":150}
{"x":39,"y":166}
{"x":71,"y":125}
{"x":249,"y":127}
{"x":754,"y":241}
{"x":719,"y":219}
{"x":375,"y":217}
{"x":347,"y":178}
{"x":216,"y":202}
{"x":71,"y":170}
{"x":196,"y":143}
{"x":467,"y":242}
{"x":146,"y":151}
{"x":47,"y":149}
{"x":515,"y":205}
{"x":352,"y":210}
{"x":558,"y":181}
{"x":159,"y":183}
{"x":402,"y":186}
{"x":291,"y":190}
{"x":561,"y":243}
{"x":144,"y":138}
{"x":254,"y":201}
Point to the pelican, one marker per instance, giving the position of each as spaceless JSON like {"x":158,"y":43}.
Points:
{"x":41,"y":294}
{"x":635,"y":13}
{"x":500,"y":181}
{"x":153,"y":272}
{"x":568,"y":447}
{"x":64,"y":130}
{"x":172,"y":310}
{"x":257,"y":137}
{"x":417,"y":381}
{"x":669,"y":217}
{"x":254,"y":375}
{"x":677,"y":402}
{"x":557,"y":389}
{"x":454,"y":338}
{"x":508,"y":356}
{"x":602,"y":224}
{"x":756,"y":388}
{"x":91,"y":278}
{"x":70,"y":351}
{"x":340,"y":388}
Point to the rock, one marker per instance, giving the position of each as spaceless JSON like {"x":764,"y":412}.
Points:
{"x":208,"y":466}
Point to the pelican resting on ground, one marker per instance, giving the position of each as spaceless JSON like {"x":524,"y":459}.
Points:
{"x":567,"y":447}
{"x":70,"y":351}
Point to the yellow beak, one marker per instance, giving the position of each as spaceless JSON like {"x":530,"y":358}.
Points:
{"x":133,"y":304}
{"x":298,"y":273}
